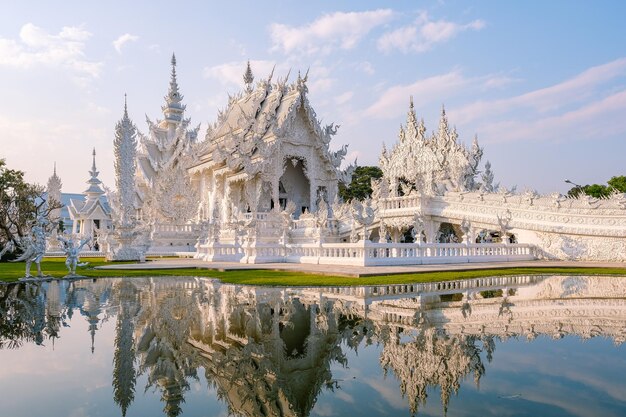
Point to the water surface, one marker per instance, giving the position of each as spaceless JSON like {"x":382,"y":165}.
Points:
{"x":505,"y":346}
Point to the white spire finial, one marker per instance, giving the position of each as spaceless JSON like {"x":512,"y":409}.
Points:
{"x":173,"y":95}
{"x":173,"y":109}
{"x":248,"y":77}
{"x":93,"y":166}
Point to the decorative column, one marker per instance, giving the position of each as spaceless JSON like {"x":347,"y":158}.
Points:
{"x":213,"y":194}
{"x":276,"y":193}
{"x":226,"y":202}
{"x":431,"y":227}
{"x":203,"y":196}
{"x":312,"y":196}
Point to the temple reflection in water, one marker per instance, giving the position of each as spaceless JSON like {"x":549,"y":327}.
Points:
{"x":269,"y":351}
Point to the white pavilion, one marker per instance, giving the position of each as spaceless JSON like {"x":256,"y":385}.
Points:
{"x":91,"y":215}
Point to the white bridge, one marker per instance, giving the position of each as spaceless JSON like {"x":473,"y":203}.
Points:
{"x":560,"y":227}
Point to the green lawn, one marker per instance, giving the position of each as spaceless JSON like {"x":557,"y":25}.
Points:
{"x":56,"y":268}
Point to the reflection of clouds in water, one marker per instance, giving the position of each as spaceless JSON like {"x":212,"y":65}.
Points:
{"x":342,"y":395}
{"x":567,"y":398}
{"x":323,"y":410}
{"x":389,"y":392}
{"x":592,"y":371}
{"x":79,"y":412}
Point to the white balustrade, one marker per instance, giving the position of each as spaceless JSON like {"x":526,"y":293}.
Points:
{"x":174,"y":228}
{"x":370,"y":254}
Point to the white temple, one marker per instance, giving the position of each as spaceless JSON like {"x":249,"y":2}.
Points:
{"x":263,"y":184}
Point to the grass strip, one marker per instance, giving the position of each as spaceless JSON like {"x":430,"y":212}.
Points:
{"x":56,"y":268}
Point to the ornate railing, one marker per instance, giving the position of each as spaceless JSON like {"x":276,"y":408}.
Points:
{"x":174,"y":228}
{"x":367,"y":253}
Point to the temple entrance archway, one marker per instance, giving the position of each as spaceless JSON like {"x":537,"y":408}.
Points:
{"x":296,"y":185}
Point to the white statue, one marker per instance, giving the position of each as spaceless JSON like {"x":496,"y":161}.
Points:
{"x":465,"y":228}
{"x":72,"y":252}
{"x":363,"y":214}
{"x":34,"y":246}
{"x":418,"y":227}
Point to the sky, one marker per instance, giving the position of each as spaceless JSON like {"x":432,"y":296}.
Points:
{"x":541,"y":84}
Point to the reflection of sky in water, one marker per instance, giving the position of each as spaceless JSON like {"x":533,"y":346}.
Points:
{"x":545,"y":377}
{"x":563,"y":377}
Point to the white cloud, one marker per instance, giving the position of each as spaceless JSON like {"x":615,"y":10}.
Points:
{"x":427,"y":90}
{"x":604,"y":115}
{"x":35,"y":47}
{"x":344,"y":98}
{"x":423,"y":34}
{"x":238,"y":46}
{"x":331,"y":31}
{"x":366,"y":67}
{"x":320,"y":84}
{"x":574,"y":90}
{"x":123,"y":40}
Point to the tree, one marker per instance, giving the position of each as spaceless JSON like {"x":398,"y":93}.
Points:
{"x":20,"y":203}
{"x":618,"y":183}
{"x":599,"y":190}
{"x":360,"y":187}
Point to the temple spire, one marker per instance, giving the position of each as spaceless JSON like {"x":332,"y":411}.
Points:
{"x":94,"y":172}
{"x":173,"y":109}
{"x":248,"y":77}
{"x":173,"y":92}
{"x":54,"y":190}
{"x":94,"y":191}
{"x":125,"y":149}
{"x":411,"y":119}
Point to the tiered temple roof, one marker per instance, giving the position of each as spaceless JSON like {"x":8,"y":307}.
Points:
{"x":92,"y":206}
{"x":259,"y":119}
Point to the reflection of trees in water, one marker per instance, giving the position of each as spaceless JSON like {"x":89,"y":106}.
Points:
{"x":433,"y":359}
{"x":24,"y":318}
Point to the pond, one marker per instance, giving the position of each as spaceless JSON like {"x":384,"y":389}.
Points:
{"x":500,"y":346}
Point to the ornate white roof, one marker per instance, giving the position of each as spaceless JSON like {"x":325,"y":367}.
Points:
{"x":92,"y":207}
{"x":259,"y":119}
{"x":431,"y":163}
